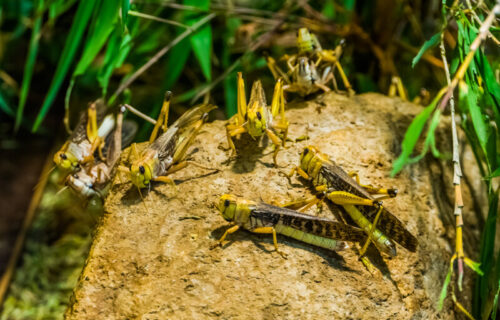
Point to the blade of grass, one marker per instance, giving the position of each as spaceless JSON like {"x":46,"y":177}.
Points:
{"x":102,"y":25}
{"x":30,"y":62}
{"x":482,"y":289}
{"x":4,"y":106}
{"x":82,"y":16}
{"x":413,"y":133}
{"x":201,"y":41}
{"x":125,"y":7}
{"x":432,"y":42}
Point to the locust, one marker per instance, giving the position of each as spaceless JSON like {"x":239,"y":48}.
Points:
{"x":381,"y":226}
{"x":92,"y":181}
{"x":311,"y":68}
{"x":257,"y":118}
{"x":166,"y":153}
{"x":88,"y":136}
{"x":269,"y":219}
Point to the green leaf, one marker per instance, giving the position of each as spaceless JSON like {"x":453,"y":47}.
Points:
{"x":483,"y":288}
{"x":125,"y":9}
{"x":329,"y":9}
{"x":444,"y":290}
{"x":495,"y":173}
{"x":201,"y":41}
{"x":116,"y":52}
{"x":433,"y":41}
{"x":4,"y":106}
{"x":30,"y":63}
{"x":103,"y":22}
{"x":85,"y":9}
{"x":229,"y":82}
{"x":412,"y":135}
{"x":474,"y":266}
{"x":175,"y":63}
{"x":477,"y":117}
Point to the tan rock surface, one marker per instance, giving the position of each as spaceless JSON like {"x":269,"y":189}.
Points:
{"x":157,"y":264}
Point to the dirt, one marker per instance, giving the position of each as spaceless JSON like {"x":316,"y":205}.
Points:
{"x":157,"y":262}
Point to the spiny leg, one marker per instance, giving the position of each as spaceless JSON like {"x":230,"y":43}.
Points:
{"x":387,"y":192}
{"x":233,"y":229}
{"x":242,"y":99}
{"x":346,"y":82}
{"x":277,"y":143}
{"x":231,"y":131}
{"x":268,"y":230}
{"x":92,"y":129}
{"x":300,"y":172}
{"x":181,"y":150}
{"x":278,"y":107}
{"x":162,"y":118}
{"x":276,"y":70}
{"x":343,"y":197}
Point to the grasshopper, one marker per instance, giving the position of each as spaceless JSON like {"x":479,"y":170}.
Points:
{"x":88,"y":136}
{"x":166,"y":153}
{"x":269,"y":219}
{"x":93,"y":180}
{"x":257,"y":118}
{"x":381,"y":226}
{"x":311,"y":68}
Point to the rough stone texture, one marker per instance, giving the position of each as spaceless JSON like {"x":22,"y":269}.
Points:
{"x":158,"y":264}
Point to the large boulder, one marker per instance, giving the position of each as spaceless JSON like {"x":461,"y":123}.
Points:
{"x":155,"y":260}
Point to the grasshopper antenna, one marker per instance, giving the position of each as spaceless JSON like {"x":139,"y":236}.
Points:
{"x":143,"y":200}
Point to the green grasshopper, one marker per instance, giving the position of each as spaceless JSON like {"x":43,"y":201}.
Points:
{"x":166,"y":153}
{"x":381,"y":226}
{"x":93,"y":180}
{"x":269,"y":219}
{"x":88,"y":136}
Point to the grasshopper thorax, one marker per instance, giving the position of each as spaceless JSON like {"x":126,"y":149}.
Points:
{"x":140,"y":174}
{"x":306,"y":73}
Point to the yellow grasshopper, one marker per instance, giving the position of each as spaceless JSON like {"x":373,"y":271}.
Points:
{"x":88,"y":136}
{"x":268,"y":219}
{"x":311,"y":68}
{"x":257,"y":118}
{"x":166,"y":153}
{"x":381,"y":226}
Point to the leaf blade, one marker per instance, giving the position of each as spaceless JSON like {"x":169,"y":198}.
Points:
{"x":83,"y":13}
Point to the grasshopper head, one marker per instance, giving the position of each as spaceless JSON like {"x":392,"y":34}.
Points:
{"x":257,"y":115}
{"x":65,"y":160}
{"x":82,"y":184}
{"x":309,"y":158}
{"x":140,"y":174}
{"x":227,"y":206}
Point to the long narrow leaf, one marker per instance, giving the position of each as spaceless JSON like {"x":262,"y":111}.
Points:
{"x":201,"y":41}
{"x":30,"y":63}
{"x":4,"y":106}
{"x":432,"y":42}
{"x":125,"y":9}
{"x":85,"y":9}
{"x":104,"y":19}
{"x":413,"y":134}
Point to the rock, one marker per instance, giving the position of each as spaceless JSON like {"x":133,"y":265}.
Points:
{"x":157,"y":263}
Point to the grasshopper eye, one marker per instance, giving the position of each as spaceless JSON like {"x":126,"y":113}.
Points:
{"x":259,"y":116}
{"x":226,"y":203}
{"x":63,"y":156}
{"x":142,"y":170}
{"x":306,"y":151}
